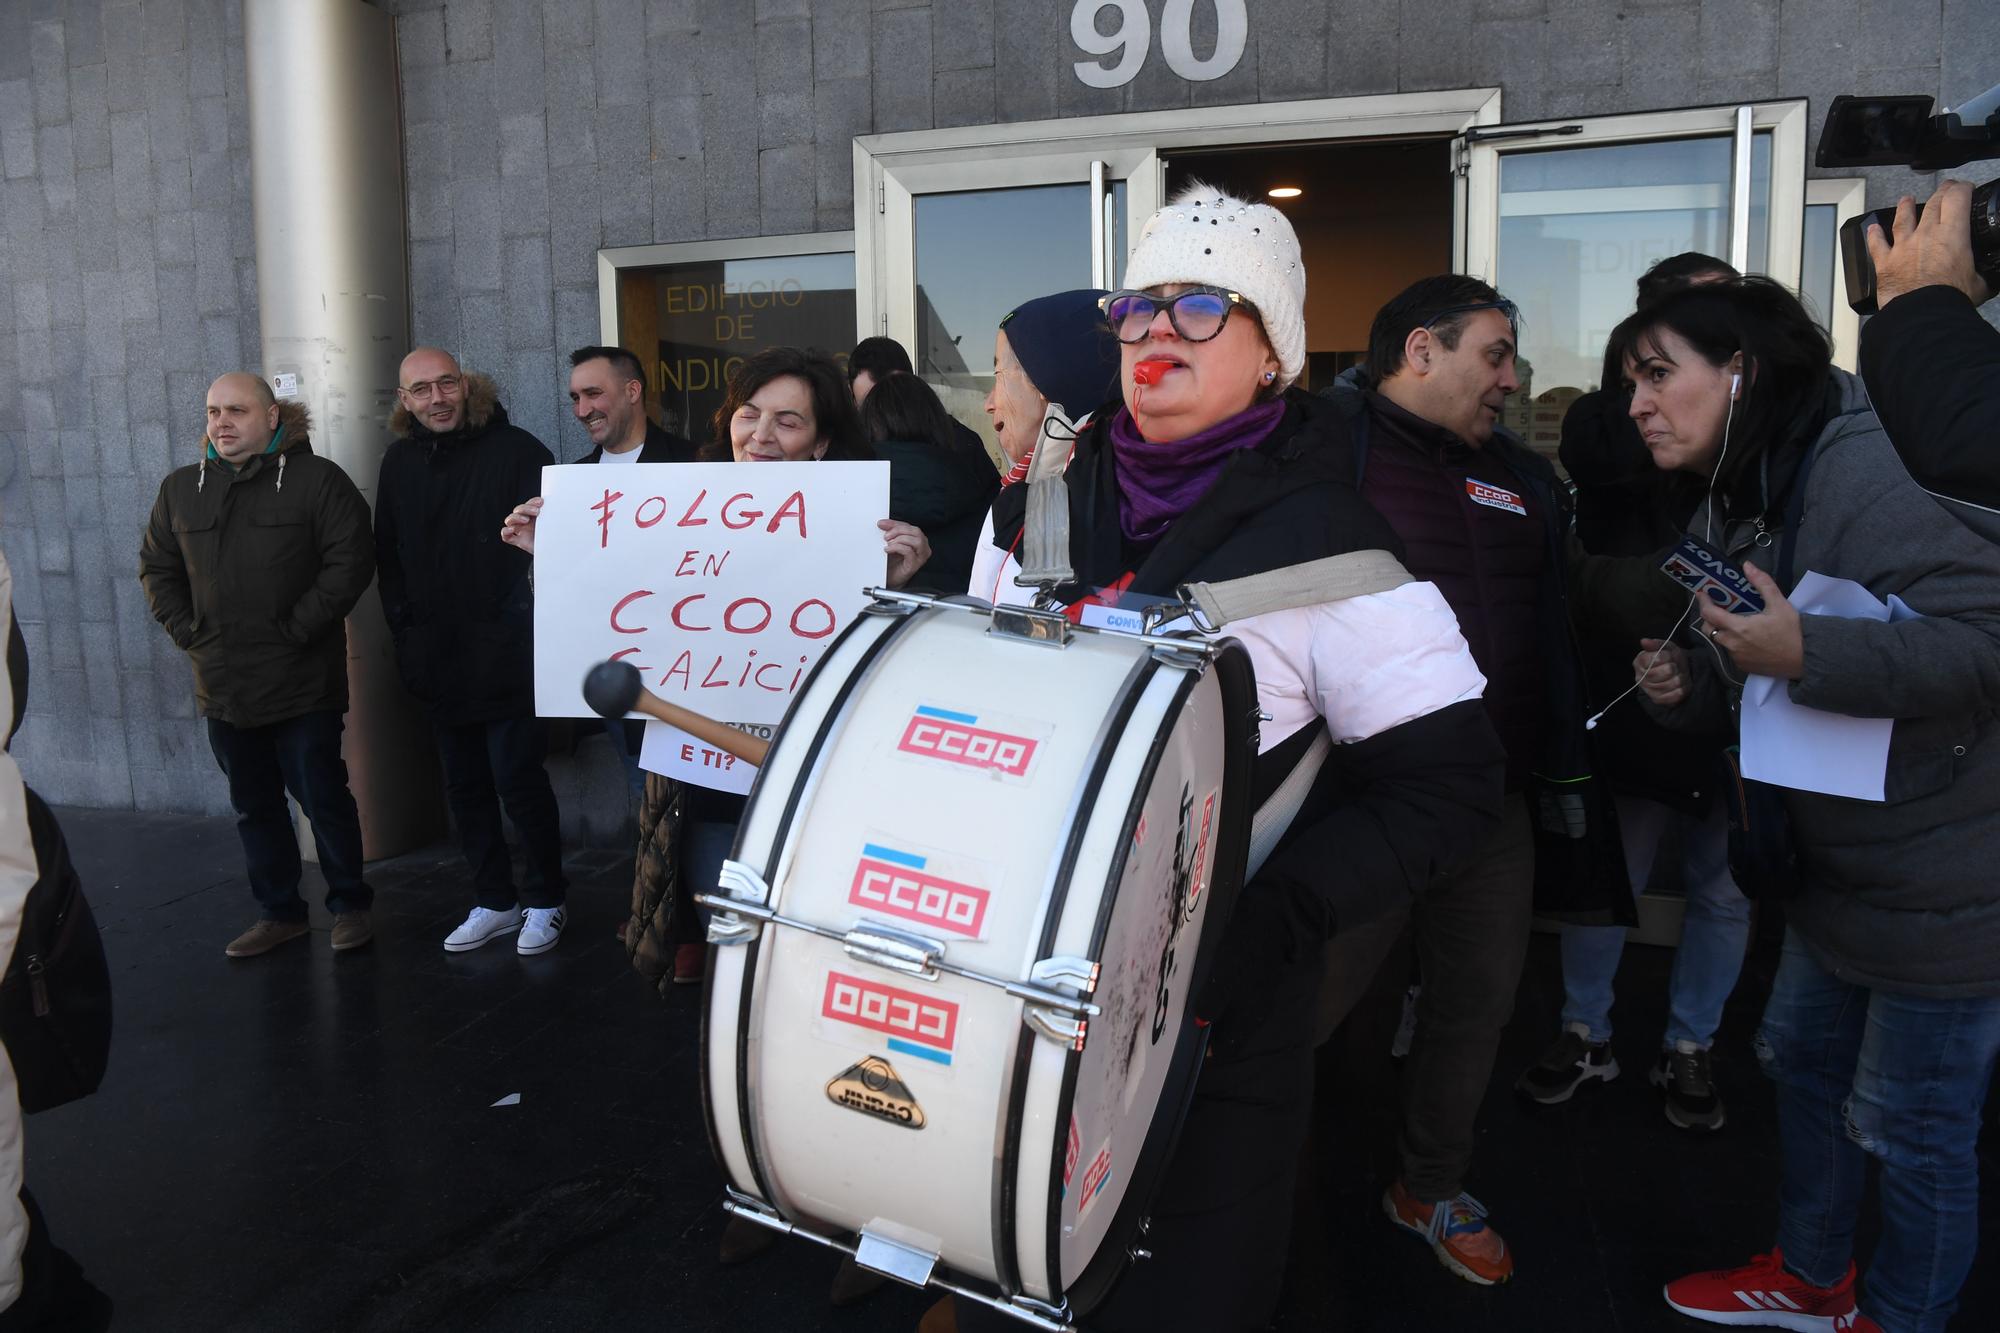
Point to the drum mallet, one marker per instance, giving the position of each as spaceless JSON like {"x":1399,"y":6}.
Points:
{"x":613,"y":689}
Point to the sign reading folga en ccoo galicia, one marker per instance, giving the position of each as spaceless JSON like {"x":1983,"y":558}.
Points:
{"x":721,"y":582}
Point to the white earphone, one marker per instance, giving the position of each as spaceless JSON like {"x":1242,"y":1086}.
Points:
{"x":1735,"y":383}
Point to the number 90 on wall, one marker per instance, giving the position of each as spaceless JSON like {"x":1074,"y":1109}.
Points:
{"x":1134,"y":34}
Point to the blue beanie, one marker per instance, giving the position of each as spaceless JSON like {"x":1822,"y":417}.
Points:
{"x":1067,"y":349}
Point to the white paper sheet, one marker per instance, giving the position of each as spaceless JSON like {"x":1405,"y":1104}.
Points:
{"x":1790,"y":745}
{"x":675,"y":754}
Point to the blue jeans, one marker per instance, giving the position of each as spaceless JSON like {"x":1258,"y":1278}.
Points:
{"x":300,"y":755}
{"x":1865,"y":1073}
{"x":1715,"y":930}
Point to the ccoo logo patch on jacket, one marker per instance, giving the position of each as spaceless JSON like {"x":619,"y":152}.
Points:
{"x":1493,"y":497}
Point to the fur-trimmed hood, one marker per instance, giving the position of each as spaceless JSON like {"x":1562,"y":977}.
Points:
{"x":482,"y":408}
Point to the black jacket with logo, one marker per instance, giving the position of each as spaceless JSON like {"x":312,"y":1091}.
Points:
{"x":1579,"y":860}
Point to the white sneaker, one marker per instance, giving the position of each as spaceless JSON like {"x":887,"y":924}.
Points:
{"x":481,"y":927}
{"x":541,"y":929}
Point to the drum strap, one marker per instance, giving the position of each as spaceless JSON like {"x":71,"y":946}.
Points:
{"x":1333,"y":579}
{"x":1282,"y":806}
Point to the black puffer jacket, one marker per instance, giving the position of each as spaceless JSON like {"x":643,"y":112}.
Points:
{"x":456,"y":597}
{"x":946,"y":492}
{"x":1626,"y":507}
{"x":252,"y":572}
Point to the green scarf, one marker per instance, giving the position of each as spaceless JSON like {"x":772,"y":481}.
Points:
{"x":208,"y":448}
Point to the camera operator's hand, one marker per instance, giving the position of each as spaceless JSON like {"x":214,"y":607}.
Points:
{"x":1933,"y":249}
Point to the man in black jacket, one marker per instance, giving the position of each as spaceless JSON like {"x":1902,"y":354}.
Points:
{"x":253,"y":557}
{"x":459,"y":603}
{"x":1931,"y":364}
{"x":607,"y":391}
{"x":1481,"y":516}
{"x":1665,"y":780}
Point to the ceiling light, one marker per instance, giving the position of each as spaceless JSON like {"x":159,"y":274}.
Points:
{"x":1285,"y":192}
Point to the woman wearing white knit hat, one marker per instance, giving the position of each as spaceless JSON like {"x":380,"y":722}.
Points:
{"x":1214,"y":468}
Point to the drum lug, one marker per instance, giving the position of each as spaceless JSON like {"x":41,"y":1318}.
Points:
{"x":899,"y":951}
{"x":740,"y":885}
{"x":1078,"y":972}
{"x":895,"y":1258}
{"x":1193,"y":658}
{"x":1050,"y":628}
{"x":1064,"y":1029}
{"x":884,"y":603}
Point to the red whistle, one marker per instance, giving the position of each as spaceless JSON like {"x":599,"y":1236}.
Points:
{"x":1150,"y":372}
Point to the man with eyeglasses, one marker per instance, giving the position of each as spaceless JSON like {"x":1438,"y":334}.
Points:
{"x":459,"y":604}
{"x":1482,"y":517}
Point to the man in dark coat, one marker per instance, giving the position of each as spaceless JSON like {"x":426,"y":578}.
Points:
{"x":607,"y":392}
{"x":459,"y":603}
{"x":1482,"y":517}
{"x":1931,"y":363}
{"x":251,"y":561}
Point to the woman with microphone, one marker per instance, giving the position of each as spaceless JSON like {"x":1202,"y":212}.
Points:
{"x":1883,"y":1024}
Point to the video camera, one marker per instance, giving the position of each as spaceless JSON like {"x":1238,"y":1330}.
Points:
{"x":1901,"y":131}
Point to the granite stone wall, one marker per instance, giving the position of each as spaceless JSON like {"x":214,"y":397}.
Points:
{"x":538,"y":131}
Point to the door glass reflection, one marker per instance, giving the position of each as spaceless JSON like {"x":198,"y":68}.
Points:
{"x":1578,"y":226}
{"x":980,"y":253}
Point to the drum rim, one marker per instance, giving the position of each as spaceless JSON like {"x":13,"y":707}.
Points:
{"x":1005,"y":1204}
{"x":1100,"y":1273}
{"x":901,"y":620}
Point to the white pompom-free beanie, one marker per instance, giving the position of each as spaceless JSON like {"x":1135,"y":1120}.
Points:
{"x":1206,"y":236}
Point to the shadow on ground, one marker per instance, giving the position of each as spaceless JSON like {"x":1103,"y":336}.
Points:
{"x":306,"y":1141}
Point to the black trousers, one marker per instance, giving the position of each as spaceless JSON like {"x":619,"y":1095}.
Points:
{"x":488,"y":765}
{"x":1221,"y":1224}
{"x":300,"y":755}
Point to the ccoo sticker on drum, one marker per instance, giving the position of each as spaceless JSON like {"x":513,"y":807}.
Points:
{"x":1002,"y":747}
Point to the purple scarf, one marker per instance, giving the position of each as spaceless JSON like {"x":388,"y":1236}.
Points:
{"x":1157,"y":482}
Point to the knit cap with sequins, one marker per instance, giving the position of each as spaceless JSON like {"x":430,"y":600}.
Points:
{"x":1206,"y":236}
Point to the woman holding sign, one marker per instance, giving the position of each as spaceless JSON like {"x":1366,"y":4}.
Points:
{"x":783,"y":405}
{"x":1214,"y":468}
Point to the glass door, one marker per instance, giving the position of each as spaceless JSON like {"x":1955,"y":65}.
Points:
{"x":977,"y":251}
{"x":1563,"y":217}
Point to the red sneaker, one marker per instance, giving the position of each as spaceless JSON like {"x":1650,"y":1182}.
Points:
{"x":1763,"y":1294}
{"x":690,"y":963}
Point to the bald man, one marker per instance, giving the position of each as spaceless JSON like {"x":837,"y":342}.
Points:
{"x":253,"y":557}
{"x":460,"y":606}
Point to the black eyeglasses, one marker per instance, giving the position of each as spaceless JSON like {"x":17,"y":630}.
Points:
{"x":1503,"y":305}
{"x":1197,"y":314}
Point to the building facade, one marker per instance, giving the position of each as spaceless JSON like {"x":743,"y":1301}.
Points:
{"x":699,"y":177}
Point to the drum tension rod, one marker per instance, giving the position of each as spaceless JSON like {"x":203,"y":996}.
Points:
{"x":1026,"y":1309}
{"x":912,"y":955}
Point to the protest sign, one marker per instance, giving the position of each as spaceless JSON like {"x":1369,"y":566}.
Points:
{"x":673,"y":753}
{"x":721,"y":582}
